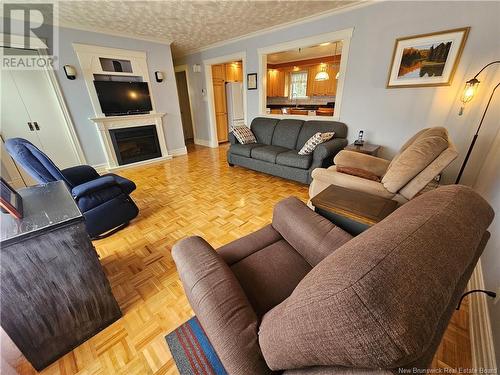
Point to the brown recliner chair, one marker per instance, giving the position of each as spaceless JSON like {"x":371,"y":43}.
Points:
{"x":304,"y":297}
{"x":422,"y":157}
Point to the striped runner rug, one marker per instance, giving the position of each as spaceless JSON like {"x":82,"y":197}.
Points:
{"x":193,"y":354}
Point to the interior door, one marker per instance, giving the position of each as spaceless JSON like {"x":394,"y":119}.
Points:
{"x":16,"y":121}
{"x":218,"y":78}
{"x":45,"y":112}
{"x":182,"y":89}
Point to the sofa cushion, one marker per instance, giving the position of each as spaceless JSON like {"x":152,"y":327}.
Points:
{"x":286,"y":133}
{"x":263,"y":129}
{"x":312,"y":127}
{"x":264,"y":268}
{"x":412,"y":161}
{"x":267,"y":153}
{"x":293,"y":159}
{"x":315,"y":140}
{"x":244,"y":135}
{"x":244,"y":150}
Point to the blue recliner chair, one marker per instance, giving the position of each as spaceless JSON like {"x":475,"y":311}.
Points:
{"x":103,"y":200}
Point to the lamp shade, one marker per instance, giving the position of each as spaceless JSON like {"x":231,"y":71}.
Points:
{"x":322,"y":76}
{"x":469,"y":90}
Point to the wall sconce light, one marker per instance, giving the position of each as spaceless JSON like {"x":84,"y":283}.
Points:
{"x":159,"y":76}
{"x":196,"y":68}
{"x":70,"y":72}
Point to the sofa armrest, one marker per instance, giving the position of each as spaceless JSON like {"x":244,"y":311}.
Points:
{"x":328,"y":150}
{"x":80,"y":174}
{"x":221,"y":306}
{"x":310,"y":234}
{"x":93,"y":186}
{"x":232,"y":139}
{"x":352,"y":159}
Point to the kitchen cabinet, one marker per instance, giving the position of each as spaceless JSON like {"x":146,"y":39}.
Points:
{"x":277,"y":83}
{"x":321,"y":88}
{"x":234,"y":72}
{"x":218,"y":82}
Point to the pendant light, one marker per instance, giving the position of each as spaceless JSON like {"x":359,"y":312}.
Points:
{"x":322,"y":75}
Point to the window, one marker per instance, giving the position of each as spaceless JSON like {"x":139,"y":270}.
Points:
{"x":298,"y":85}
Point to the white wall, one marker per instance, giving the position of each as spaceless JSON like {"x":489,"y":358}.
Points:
{"x":77,"y":98}
{"x":388,"y":116}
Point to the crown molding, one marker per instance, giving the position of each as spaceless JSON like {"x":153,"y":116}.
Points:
{"x":114,"y":33}
{"x":281,"y":26}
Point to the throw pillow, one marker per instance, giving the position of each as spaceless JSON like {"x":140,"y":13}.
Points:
{"x":244,"y":135}
{"x":358,"y":172}
{"x":315,"y":140}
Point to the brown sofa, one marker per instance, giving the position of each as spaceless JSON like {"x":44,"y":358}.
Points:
{"x":304,"y":297}
{"x":421,"y":158}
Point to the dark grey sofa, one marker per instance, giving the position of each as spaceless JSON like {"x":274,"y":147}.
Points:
{"x":278,"y":143}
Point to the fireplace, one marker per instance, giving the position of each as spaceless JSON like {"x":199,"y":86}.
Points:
{"x":135,"y":144}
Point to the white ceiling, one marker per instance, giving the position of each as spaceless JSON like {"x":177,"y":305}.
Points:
{"x":311,"y":52}
{"x":189,"y":25}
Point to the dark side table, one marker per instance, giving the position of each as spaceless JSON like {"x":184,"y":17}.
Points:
{"x":366,"y":148}
{"x":354,"y":211}
{"x":54,"y":293}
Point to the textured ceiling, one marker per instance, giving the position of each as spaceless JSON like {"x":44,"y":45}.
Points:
{"x":189,"y":25}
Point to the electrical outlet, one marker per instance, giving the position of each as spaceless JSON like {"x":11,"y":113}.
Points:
{"x":497,"y":298}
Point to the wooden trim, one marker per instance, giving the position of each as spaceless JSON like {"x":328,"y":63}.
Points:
{"x":315,"y":61}
{"x":455,"y":65}
{"x":481,"y":336}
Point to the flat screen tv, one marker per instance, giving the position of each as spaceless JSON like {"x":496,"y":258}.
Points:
{"x":122,"y":98}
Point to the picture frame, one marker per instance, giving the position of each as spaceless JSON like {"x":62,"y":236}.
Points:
{"x":10,"y":200}
{"x":427,"y":60}
{"x":252,"y":81}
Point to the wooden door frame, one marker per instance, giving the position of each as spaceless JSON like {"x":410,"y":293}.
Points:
{"x":207,"y":64}
{"x":185,"y":68}
{"x":17,"y":41}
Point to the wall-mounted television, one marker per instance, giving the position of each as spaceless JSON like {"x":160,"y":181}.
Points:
{"x":123,"y":98}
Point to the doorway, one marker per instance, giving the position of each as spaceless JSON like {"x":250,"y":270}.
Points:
{"x":32,"y":110}
{"x":185,"y":105}
{"x":226,"y":95}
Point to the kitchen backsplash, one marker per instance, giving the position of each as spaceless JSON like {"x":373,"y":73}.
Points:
{"x":313,"y":100}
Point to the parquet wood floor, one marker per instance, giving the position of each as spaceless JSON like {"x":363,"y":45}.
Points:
{"x":196,"y":194}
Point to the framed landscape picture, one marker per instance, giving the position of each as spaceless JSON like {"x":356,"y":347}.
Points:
{"x":427,"y":59}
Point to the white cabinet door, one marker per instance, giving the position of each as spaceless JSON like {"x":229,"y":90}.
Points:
{"x":44,"y":109}
{"x":15,"y":118}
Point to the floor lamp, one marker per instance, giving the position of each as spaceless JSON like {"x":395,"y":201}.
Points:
{"x":469,"y":92}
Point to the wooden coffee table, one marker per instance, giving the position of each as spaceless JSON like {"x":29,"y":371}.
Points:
{"x":354,"y":211}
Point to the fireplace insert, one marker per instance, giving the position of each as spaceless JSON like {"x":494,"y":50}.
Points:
{"x":135,"y":144}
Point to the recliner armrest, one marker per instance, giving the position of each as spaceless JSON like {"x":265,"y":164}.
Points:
{"x":80,"y":174}
{"x":310,"y":234}
{"x":221,"y":306}
{"x":352,"y":159}
{"x":92,"y":186}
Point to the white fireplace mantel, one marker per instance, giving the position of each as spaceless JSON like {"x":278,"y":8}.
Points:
{"x":104,"y":124}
